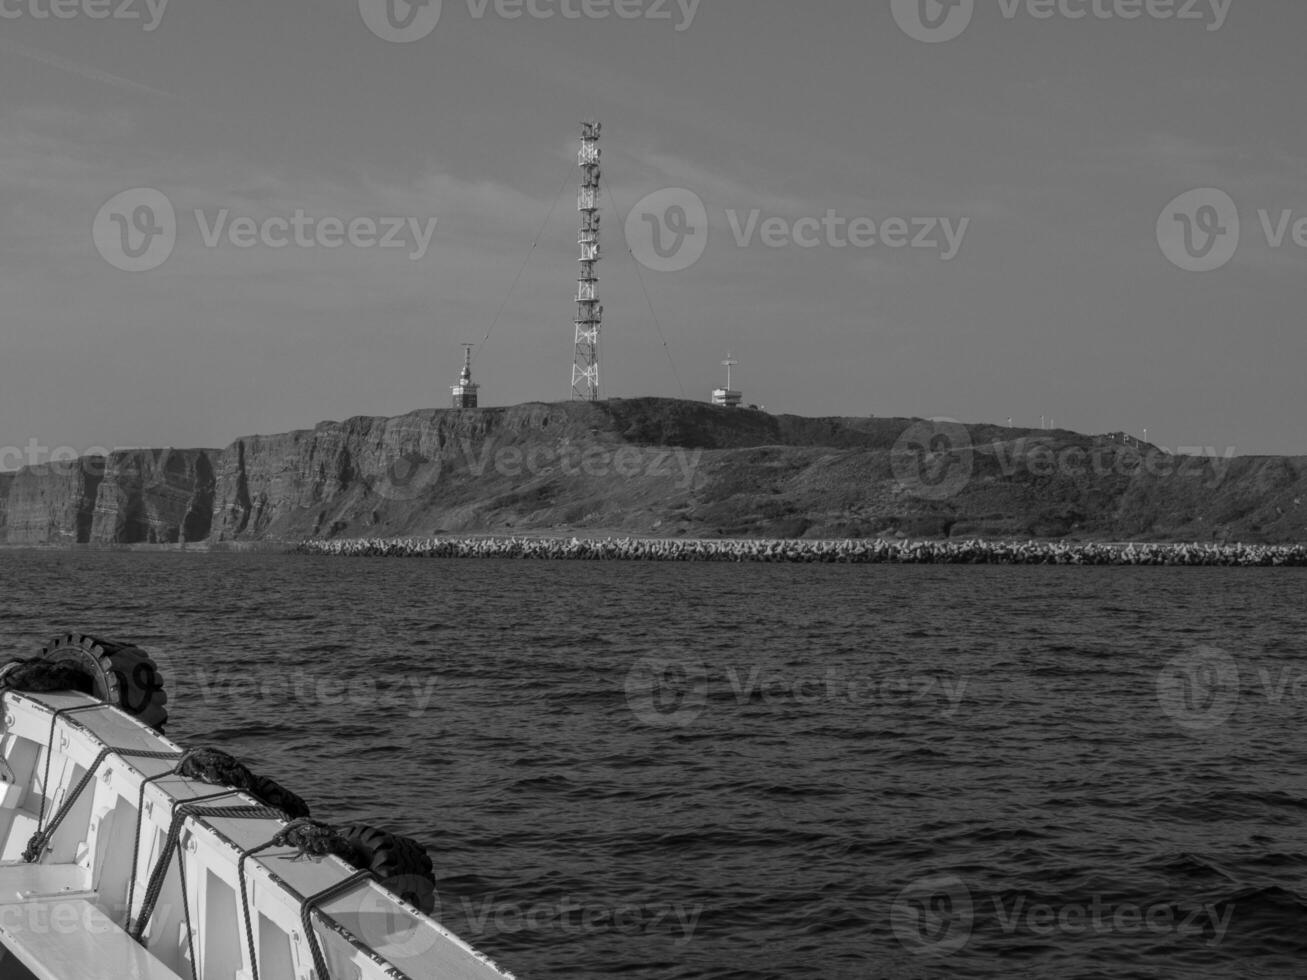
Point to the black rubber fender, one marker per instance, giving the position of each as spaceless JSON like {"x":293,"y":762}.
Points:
{"x":400,"y":864}
{"x":117,"y":673}
{"x":274,"y":794}
{"x":219,"y":768}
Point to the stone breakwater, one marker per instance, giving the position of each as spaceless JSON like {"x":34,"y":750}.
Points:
{"x":851,"y":552}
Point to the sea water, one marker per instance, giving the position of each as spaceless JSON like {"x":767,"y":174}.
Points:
{"x":763,"y":771}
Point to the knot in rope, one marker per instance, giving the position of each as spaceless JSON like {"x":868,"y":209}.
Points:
{"x":314,"y":838}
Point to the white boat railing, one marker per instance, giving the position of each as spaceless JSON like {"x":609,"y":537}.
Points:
{"x":148,"y":874}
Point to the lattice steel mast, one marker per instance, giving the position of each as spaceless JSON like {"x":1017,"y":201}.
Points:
{"x":589,"y":314}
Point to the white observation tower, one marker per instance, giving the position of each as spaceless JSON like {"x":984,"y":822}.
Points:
{"x":728,"y":397}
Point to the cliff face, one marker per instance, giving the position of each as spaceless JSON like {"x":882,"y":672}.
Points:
{"x":6,"y":481}
{"x":655,"y":466}
{"x":134,"y":497}
{"x":406,"y":474}
{"x":160,"y":496}
{"x":53,"y":503}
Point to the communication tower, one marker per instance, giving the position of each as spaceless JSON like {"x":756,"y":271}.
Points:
{"x":589,"y":314}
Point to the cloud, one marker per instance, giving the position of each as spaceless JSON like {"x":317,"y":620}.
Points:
{"x":85,"y":71}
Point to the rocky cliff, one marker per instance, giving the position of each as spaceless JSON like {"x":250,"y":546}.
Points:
{"x":660,"y":467}
{"x":157,"y":496}
{"x":6,"y":481}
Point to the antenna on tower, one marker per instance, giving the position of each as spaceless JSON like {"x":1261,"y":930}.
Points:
{"x":589,"y":314}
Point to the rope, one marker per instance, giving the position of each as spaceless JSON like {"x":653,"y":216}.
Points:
{"x":186,"y":902}
{"x":306,"y":917}
{"x":245,"y":903}
{"x":311,"y":837}
{"x":621,"y":220}
{"x":136,"y":843}
{"x":49,"y":752}
{"x":540,"y":234}
{"x":36,"y":844}
{"x":195,"y":764}
{"x":218,"y":768}
{"x":160,"y":872}
{"x":186,"y":911}
{"x":317,"y":839}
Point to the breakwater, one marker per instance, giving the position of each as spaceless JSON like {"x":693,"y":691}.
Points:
{"x":848,"y":551}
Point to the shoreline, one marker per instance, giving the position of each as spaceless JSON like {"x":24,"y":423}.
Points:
{"x":846,"y":551}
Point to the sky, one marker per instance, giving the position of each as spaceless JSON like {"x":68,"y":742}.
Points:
{"x":1081,"y":210}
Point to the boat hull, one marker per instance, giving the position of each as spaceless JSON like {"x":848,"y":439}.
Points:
{"x":142,"y":874}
